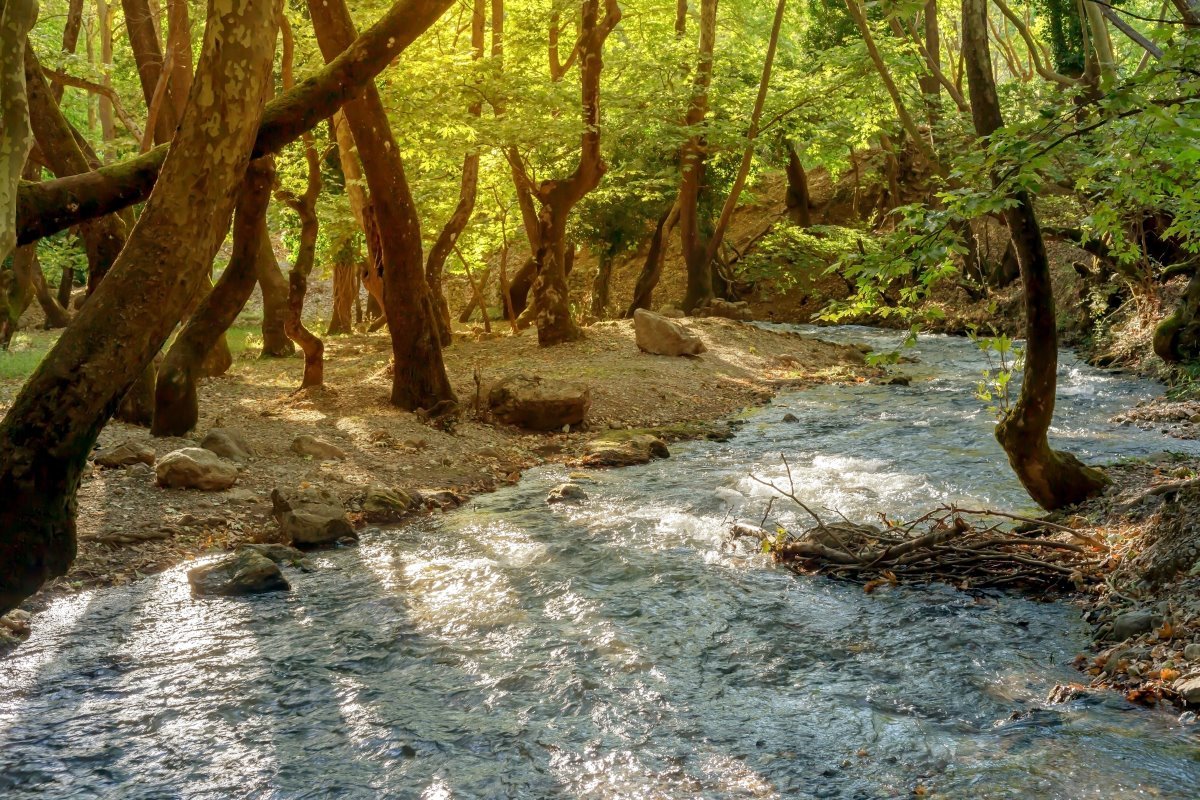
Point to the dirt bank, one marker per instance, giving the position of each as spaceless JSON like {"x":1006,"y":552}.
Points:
{"x":129,"y":527}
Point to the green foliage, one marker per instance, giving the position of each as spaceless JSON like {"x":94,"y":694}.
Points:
{"x":1004,"y":360}
{"x":790,"y":254}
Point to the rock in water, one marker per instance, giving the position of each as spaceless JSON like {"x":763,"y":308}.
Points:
{"x":381,"y":504}
{"x":658,"y":335}
{"x":311,"y":517}
{"x":245,"y":572}
{"x":279,"y":553}
{"x":307,"y":445}
{"x":228,"y":444}
{"x":625,"y":451}
{"x":566,"y":493}
{"x":125,"y":454}
{"x":540,"y":404}
{"x":195,"y":468}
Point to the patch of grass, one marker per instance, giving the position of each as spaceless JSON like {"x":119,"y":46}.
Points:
{"x":243,"y":337}
{"x":24,"y":353}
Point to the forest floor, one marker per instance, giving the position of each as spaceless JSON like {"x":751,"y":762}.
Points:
{"x":129,"y":527}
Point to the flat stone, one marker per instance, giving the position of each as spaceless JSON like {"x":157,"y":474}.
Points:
{"x":657,"y":335}
{"x":245,"y":572}
{"x":125,"y":454}
{"x":195,"y":468}
{"x":625,"y":451}
{"x":279,"y":553}
{"x":1189,"y":689}
{"x":308,"y":445}
{"x":540,"y":404}
{"x":228,"y":444}
{"x":1134,"y":623}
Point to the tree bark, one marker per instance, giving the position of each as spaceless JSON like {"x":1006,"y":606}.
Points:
{"x":1053,"y":478}
{"x":16,"y":138}
{"x":1177,"y":338}
{"x":274,"y":288}
{"x":50,"y":206}
{"x":176,"y":405}
{"x":148,"y":55}
{"x":799,"y":202}
{"x":47,"y":434}
{"x":419,"y":378}
{"x":305,"y":206}
{"x":103,"y":237}
{"x":643,"y":292}
{"x":693,"y":163}
{"x":345,"y":290}
{"x":360,"y":205}
{"x":558,"y":197}
{"x":16,"y":287}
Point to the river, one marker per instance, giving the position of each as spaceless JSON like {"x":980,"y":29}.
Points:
{"x":620,"y":647}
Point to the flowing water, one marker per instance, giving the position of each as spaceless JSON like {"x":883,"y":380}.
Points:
{"x":617,"y":648}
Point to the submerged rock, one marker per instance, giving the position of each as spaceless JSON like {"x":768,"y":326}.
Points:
{"x":308,"y":445}
{"x":247,"y":571}
{"x":228,"y":444}
{"x":566,"y":493}
{"x":195,"y":468}
{"x":658,"y":335}
{"x":125,"y":454}
{"x":311,"y":517}
{"x":625,"y":451}
{"x":279,"y":553}
{"x":537,"y":403}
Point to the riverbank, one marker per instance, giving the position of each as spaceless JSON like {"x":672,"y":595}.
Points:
{"x":129,"y":527}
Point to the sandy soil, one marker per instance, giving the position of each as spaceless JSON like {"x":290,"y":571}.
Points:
{"x":129,"y":527}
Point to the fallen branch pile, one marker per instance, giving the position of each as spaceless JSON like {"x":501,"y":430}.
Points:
{"x":967,"y":548}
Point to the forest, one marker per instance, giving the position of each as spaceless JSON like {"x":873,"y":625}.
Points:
{"x":599,"y":398}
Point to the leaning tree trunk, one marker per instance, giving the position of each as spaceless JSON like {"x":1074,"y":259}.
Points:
{"x":17,"y":293}
{"x":103,"y":237}
{"x":1053,"y":478}
{"x":643,"y":291}
{"x":56,"y":315}
{"x":176,"y":405}
{"x":16,"y":138}
{"x":47,"y":434}
{"x":419,"y":377}
{"x":799,"y":201}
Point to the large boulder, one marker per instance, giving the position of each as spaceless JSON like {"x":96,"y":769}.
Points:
{"x":195,"y":468}
{"x":307,"y":445}
{"x":656,"y":334}
{"x":624,"y":451}
{"x":245,"y":572}
{"x":125,"y":454}
{"x":540,"y":404}
{"x":228,"y":444}
{"x":311,"y":517}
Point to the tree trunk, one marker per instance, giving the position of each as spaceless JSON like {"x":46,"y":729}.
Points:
{"x":643,"y":292}
{"x":274,"y":288}
{"x":56,"y":315}
{"x":49,"y":431}
{"x":693,"y":163}
{"x":70,"y":37}
{"x":555,"y":323}
{"x":1053,"y":478}
{"x":104,"y":14}
{"x":345,"y":290}
{"x":601,"y":282}
{"x":419,"y":376}
{"x":360,"y":205}
{"x":457,"y":223}
{"x":176,"y":405}
{"x":103,"y":237}
{"x":1177,"y":338}
{"x":50,"y":206}
{"x":18,"y":293}
{"x":16,"y":138}
{"x":148,"y":56}
{"x":799,"y":203}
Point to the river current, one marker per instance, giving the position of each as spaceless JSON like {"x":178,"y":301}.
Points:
{"x":620,"y":647}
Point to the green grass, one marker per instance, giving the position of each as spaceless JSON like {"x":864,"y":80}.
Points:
{"x":25,"y":352}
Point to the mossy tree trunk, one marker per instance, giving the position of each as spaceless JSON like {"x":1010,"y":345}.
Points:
{"x":47,"y":434}
{"x":1053,"y":478}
